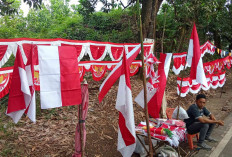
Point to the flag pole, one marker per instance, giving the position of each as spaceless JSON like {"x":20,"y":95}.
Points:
{"x":145,"y":88}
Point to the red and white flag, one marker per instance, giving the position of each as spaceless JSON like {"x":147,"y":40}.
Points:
{"x":194,"y":59}
{"x":155,"y":92}
{"x":22,"y":93}
{"x":124,"y":104}
{"x":116,"y":73}
{"x":59,"y":76}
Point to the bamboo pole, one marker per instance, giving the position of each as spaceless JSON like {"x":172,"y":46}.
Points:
{"x":145,"y":91}
{"x":150,"y":154}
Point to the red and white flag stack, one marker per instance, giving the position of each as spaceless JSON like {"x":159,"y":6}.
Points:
{"x":59,"y":76}
{"x":155,"y":92}
{"x":194,"y":59}
{"x":124,"y":103}
{"x":22,"y":93}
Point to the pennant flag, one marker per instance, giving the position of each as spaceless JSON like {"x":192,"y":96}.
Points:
{"x":59,"y":76}
{"x":124,"y":104}
{"x":22,"y":93}
{"x":194,"y":59}
{"x":116,"y":73}
{"x":155,"y":92}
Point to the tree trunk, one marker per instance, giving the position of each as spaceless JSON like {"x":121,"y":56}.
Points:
{"x":149,"y":12}
{"x":217,"y":39}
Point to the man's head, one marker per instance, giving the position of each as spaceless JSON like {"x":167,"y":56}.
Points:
{"x":201,"y":100}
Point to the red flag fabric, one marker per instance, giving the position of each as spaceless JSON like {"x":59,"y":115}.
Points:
{"x":59,"y":76}
{"x":194,"y":59}
{"x":116,"y":73}
{"x":22,"y":95}
{"x":124,"y":104}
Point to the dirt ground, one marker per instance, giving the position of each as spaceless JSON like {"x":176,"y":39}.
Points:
{"x":53,"y":133}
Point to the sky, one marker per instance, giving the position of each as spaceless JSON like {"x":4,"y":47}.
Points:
{"x":25,"y":7}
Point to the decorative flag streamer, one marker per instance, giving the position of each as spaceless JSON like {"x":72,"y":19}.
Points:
{"x":59,"y":76}
{"x":194,"y":59}
{"x":5,"y":80}
{"x":116,"y":72}
{"x":124,"y":104}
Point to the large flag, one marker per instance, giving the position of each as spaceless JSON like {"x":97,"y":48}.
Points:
{"x":116,"y":73}
{"x":124,"y":104}
{"x":194,"y":59}
{"x":59,"y":76}
{"x":22,"y":93}
{"x":155,"y":92}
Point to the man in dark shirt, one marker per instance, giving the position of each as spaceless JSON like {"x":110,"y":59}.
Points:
{"x":198,"y":123}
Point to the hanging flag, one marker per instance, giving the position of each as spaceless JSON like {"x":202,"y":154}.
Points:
{"x":116,"y":72}
{"x":59,"y":76}
{"x":124,"y":104}
{"x":22,"y":93}
{"x":155,"y":92}
{"x":194,"y":59}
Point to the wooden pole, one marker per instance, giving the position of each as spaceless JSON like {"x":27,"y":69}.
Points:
{"x":145,"y":91}
{"x":81,"y":128}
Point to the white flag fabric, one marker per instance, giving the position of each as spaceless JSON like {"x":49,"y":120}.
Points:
{"x":59,"y":76}
{"x":124,"y":104}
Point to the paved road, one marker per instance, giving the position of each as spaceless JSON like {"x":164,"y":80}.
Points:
{"x":224,"y":147}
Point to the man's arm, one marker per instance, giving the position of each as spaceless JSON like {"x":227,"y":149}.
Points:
{"x":211,"y":116}
{"x":211,"y":121}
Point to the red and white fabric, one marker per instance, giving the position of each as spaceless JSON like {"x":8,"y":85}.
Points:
{"x":207,"y":47}
{"x":116,"y":72}
{"x":97,"y":51}
{"x":124,"y":104}
{"x":213,"y":81}
{"x":6,"y":50}
{"x":59,"y":76}
{"x":194,"y":59}
{"x":116,"y":52}
{"x":22,"y":96}
{"x":185,"y":85}
{"x":5,"y":80}
{"x":155,"y":92}
{"x":150,"y":61}
{"x":179,"y":60}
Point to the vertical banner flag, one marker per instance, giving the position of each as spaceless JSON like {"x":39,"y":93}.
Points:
{"x":194,"y":59}
{"x":22,"y":93}
{"x":59,"y":76}
{"x":124,"y":104}
{"x":116,"y":73}
{"x":155,"y":93}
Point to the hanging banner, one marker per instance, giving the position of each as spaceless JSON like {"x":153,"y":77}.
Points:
{"x":179,"y":60}
{"x":5,"y":80}
{"x":207,"y":47}
{"x":97,"y":51}
{"x":214,"y":81}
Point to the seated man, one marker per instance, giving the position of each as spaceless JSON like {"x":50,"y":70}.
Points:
{"x":198,"y":123}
